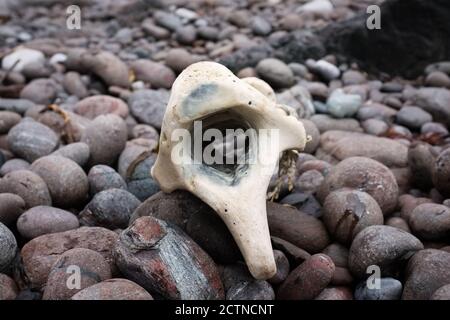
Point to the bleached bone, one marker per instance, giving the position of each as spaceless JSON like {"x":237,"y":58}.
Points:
{"x":209,"y":92}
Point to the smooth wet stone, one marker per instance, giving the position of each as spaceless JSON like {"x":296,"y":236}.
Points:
{"x":102,"y":177}
{"x":342,"y":145}
{"x":342,"y":277}
{"x":347,"y":212}
{"x":146,"y":132}
{"x":441,"y":173}
{"x":134,"y":152}
{"x":74,"y":85}
{"x":294,"y":226}
{"x":261,"y":26}
{"x":113,"y":289}
{"x":200,"y":222}
{"x":149,"y":106}
{"x":8,"y":120}
{"x":434,"y":127}
{"x":78,"y":152}
{"x":434,"y":101}
{"x":298,"y":98}
{"x":283,"y":268}
{"x":8,"y":248}
{"x":66,"y":180}
{"x":326,"y":123}
{"x":28,"y":185}
{"x":294,"y":254}
{"x":240,"y":285}
{"x":373,"y":110}
{"x":352,"y":77}
{"x":186,"y":35}
{"x":323,"y":69}
{"x":366,"y":175}
{"x":176,"y":268}
{"x":309,"y":181}
{"x":157,"y":74}
{"x":304,"y":202}
{"x":178,"y":59}
{"x":443,"y":293}
{"x":13,"y":165}
{"x":342,"y":105}
{"x":275,"y":72}
{"x":24,"y":56}
{"x":110,"y":68}
{"x":42,"y":220}
{"x":8,"y":288}
{"x":40,"y":254}
{"x":93,"y":269}
{"x":426,"y":272}
{"x":399,"y":223}
{"x":92,"y":107}
{"x":11,"y":207}
{"x":408,"y":203}
{"x":338,"y":253}
{"x":111,"y":208}
{"x":139,"y":182}
{"x":384,"y":246}
{"x":374,"y":127}
{"x":16,"y":105}
{"x":153,"y":30}
{"x":421,"y":160}
{"x":307,"y":280}
{"x":335,"y":293}
{"x":390,"y":289}
{"x":413,"y":117}
{"x":430,"y":221}
{"x":254,"y":290}
{"x":167,"y":20}
{"x":31,"y":140}
{"x":40,"y":91}
{"x":311,"y":130}
{"x":322,"y":166}
{"x":106,"y":137}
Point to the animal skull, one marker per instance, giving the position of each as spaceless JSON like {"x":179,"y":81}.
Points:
{"x":209,"y":92}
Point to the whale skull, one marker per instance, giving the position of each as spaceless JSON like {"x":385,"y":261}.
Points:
{"x":210,"y":93}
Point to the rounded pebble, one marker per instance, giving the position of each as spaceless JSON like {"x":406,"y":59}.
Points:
{"x":110,"y":208}
{"x":307,"y":280}
{"x":383,"y":246}
{"x":430,"y":221}
{"x":31,"y":140}
{"x":113,"y":289}
{"x":11,"y":207}
{"x":43,"y":220}
{"x":390,"y":289}
{"x":102,"y":178}
{"x":8,"y":247}
{"x":106,"y":137}
{"x":347,"y":212}
{"x":29,"y":186}
{"x":90,"y":265}
{"x":366,"y":175}
{"x":66,"y":180}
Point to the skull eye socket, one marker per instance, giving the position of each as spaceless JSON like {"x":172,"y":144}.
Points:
{"x":225,"y":144}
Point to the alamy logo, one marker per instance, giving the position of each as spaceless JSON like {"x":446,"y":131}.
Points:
{"x":374,"y":281}
{"x":73,"y":21}
{"x":373,"y":22}
{"x":74,"y":280}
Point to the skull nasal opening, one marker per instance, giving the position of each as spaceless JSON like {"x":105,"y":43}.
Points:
{"x":222,"y":143}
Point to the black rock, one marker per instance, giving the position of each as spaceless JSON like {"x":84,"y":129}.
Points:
{"x":415,"y":32}
{"x":246,"y":57}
